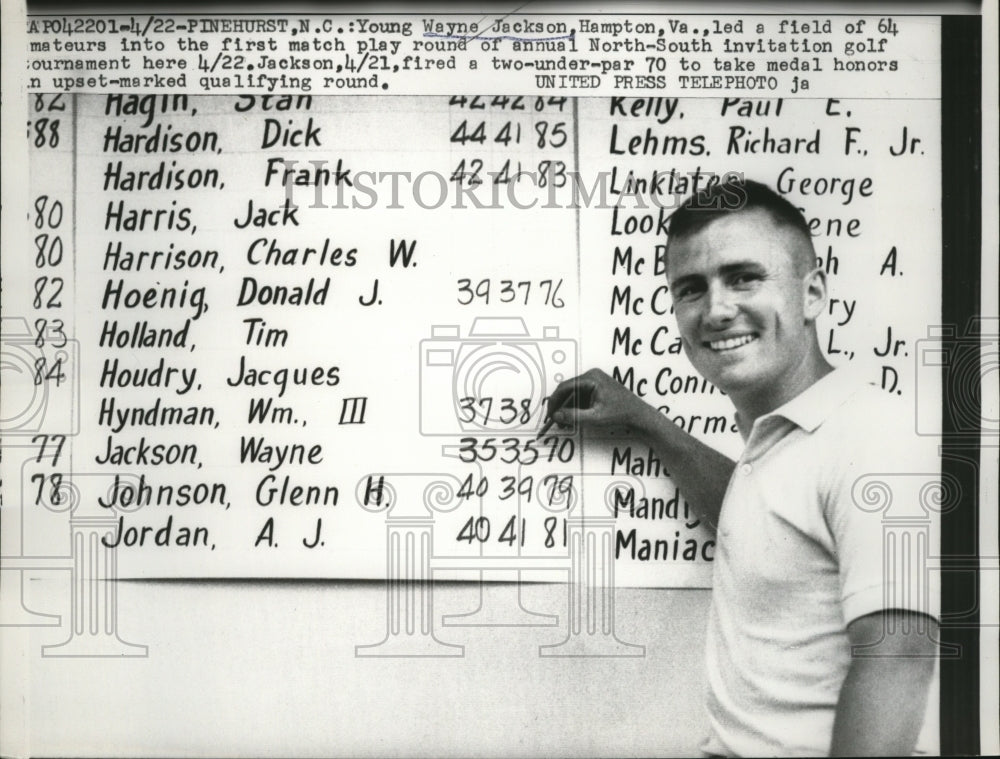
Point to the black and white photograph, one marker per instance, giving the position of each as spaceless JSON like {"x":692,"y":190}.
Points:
{"x":499,"y":380}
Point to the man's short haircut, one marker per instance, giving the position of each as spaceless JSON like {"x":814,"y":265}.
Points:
{"x":737,"y":195}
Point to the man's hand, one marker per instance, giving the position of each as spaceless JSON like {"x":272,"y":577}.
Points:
{"x":598,"y":402}
{"x":883,"y":698}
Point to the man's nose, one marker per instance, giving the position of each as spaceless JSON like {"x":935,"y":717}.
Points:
{"x":720,"y":304}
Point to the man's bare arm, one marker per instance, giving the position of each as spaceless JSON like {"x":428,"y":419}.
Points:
{"x":882,"y":701}
{"x":598,"y":402}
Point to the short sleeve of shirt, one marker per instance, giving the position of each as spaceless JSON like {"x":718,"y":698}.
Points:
{"x":881,"y":509}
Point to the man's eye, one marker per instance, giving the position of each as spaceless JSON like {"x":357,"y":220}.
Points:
{"x":744,"y":278}
{"x":687,"y":292}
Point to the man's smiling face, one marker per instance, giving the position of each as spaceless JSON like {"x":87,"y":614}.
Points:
{"x":746,"y":303}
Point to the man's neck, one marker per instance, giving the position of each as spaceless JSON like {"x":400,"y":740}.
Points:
{"x":754,"y":405}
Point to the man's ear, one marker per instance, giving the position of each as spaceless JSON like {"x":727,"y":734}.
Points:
{"x":814,"y":294}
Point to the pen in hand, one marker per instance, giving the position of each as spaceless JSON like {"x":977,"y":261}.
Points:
{"x":549,"y":421}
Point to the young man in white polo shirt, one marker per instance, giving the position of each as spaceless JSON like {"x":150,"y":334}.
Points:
{"x":799,"y":582}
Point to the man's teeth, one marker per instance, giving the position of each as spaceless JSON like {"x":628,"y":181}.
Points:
{"x":732,"y":342}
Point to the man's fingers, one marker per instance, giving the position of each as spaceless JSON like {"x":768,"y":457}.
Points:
{"x":568,"y":394}
{"x":569,"y":417}
{"x":557,"y":396}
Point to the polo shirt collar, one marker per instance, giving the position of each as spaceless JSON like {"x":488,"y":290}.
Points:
{"x":818,"y":402}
